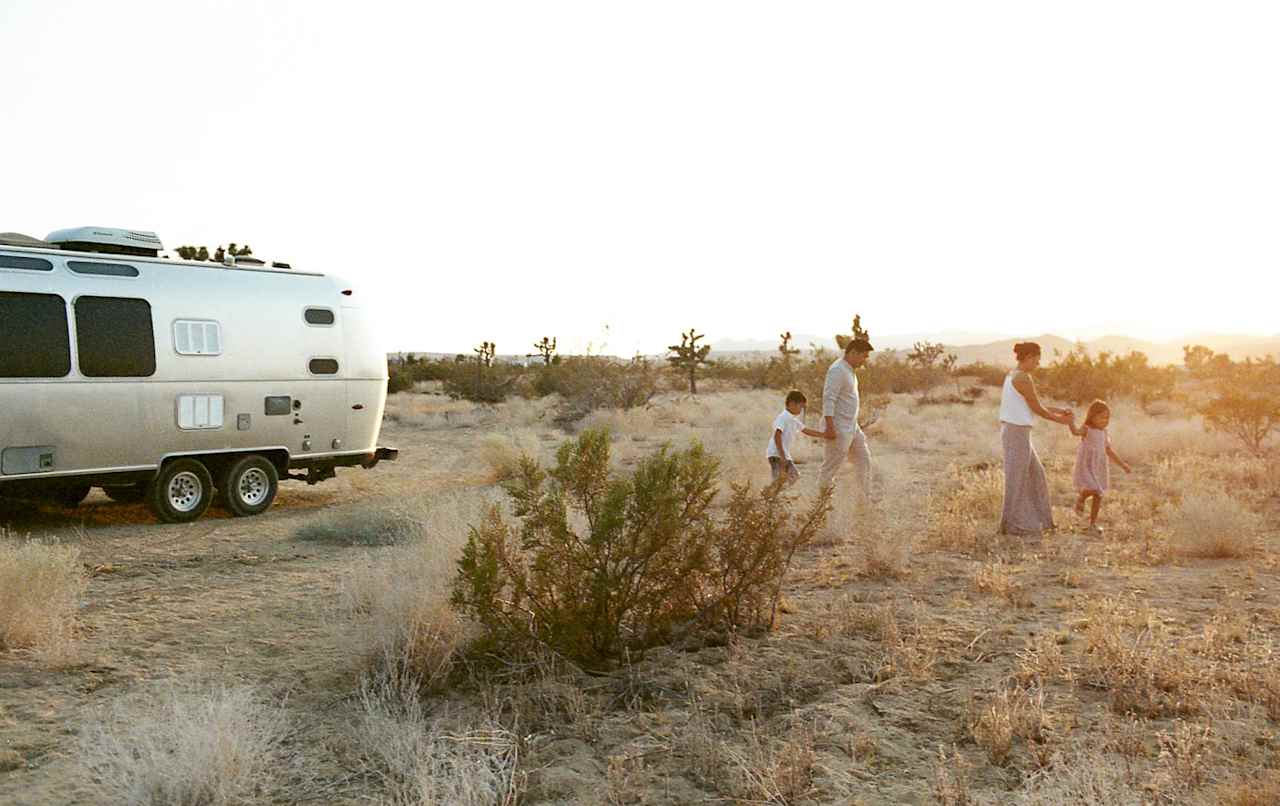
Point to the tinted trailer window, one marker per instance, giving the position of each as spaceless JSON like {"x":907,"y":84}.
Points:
{"x":33,"y":335}
{"x":114,"y":338}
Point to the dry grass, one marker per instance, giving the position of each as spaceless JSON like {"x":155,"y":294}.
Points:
{"x":184,"y":746}
{"x":363,"y":526}
{"x":1011,"y":714}
{"x":40,"y":589}
{"x":1213,"y":525}
{"x":996,"y":578}
{"x":1083,"y":777}
{"x":964,"y":517}
{"x":1261,"y":788}
{"x":502,"y":452}
{"x":422,"y":762}
{"x":395,"y":607}
{"x":1131,"y":654}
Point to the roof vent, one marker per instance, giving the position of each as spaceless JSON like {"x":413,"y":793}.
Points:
{"x":107,"y":241}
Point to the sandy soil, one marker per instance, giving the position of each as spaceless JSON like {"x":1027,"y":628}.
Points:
{"x":240,"y":599}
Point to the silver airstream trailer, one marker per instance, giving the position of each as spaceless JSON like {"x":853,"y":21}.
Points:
{"x":176,"y":382}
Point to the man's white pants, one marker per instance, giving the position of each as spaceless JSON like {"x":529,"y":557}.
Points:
{"x":851,"y":445}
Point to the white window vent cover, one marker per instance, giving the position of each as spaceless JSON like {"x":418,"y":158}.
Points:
{"x":197,"y":337}
{"x":199,"y":412}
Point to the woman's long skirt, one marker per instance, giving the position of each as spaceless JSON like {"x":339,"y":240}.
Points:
{"x":1026,"y":508}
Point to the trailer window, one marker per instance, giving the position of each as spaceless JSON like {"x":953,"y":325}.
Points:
{"x":323,"y":366}
{"x":105,"y":269}
{"x":197,"y":337}
{"x":114,"y":337}
{"x":33,"y":330}
{"x":318,"y":316}
{"x":24,"y":262}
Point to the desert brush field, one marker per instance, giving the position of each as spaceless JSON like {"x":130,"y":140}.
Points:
{"x":311,"y":654}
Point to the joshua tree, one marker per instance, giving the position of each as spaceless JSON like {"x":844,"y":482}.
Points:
{"x":202,"y":252}
{"x":787,"y":351}
{"x":858,"y":333}
{"x":484,"y":353}
{"x":546,"y":348}
{"x":689,"y":356}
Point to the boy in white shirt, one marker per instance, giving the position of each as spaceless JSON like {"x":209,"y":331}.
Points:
{"x":785,"y":427}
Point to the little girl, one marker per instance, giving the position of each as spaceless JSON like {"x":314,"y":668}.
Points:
{"x":1093,"y":474}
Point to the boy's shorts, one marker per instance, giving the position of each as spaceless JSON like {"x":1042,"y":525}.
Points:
{"x":780,"y":467}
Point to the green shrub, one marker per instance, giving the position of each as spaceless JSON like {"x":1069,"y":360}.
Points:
{"x":984,"y":374}
{"x":398,"y":380}
{"x":1249,"y":415}
{"x":1081,"y":378}
{"x":649,"y":561}
{"x":478,"y":383}
{"x":588,"y":383}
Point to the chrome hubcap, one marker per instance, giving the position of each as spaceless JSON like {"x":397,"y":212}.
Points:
{"x":253,"y":486}
{"x":185,"y":491}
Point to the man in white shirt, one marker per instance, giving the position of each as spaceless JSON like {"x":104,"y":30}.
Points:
{"x":840,"y":412}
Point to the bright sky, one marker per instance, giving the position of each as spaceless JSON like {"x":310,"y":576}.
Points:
{"x":501,"y":171}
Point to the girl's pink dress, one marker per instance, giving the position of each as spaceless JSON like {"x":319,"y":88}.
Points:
{"x":1093,"y":471}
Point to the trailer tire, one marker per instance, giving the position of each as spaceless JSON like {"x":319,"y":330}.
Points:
{"x":249,"y":486}
{"x":126,"y":493}
{"x":181,"y":491}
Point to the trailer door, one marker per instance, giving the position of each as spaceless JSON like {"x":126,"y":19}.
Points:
{"x":366,"y":374}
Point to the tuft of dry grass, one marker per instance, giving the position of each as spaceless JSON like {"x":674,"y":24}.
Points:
{"x":1131,"y":654}
{"x":996,"y":579}
{"x":40,"y":589}
{"x":963,"y":517}
{"x":502,"y":452}
{"x":395,"y":605}
{"x":1082,"y":776}
{"x":1013,"y":713}
{"x":775,"y":770}
{"x":951,"y":775}
{"x":1258,"y":789}
{"x":1213,"y":525}
{"x":184,"y":746}
{"x":422,"y":762}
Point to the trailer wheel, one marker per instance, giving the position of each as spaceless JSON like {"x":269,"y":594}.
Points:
{"x":250,"y":485}
{"x":126,"y":493}
{"x":181,"y":491}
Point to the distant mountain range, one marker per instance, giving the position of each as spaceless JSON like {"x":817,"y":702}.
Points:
{"x":989,"y":348}
{"x":995,"y":348}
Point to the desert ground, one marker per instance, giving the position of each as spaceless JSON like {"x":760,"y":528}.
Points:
{"x":919,"y":658}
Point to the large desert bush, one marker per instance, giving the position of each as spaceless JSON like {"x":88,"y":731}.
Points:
{"x":1213,"y":525}
{"x":600,"y":564}
{"x":184,"y":746}
{"x":589,"y":383}
{"x":1079,"y":377}
{"x":1248,"y":415}
{"x":40,"y":589}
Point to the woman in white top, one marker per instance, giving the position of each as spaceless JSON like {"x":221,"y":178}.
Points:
{"x":1026,"y":509}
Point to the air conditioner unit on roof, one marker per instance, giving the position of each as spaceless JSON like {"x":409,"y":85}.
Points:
{"x":107,"y":241}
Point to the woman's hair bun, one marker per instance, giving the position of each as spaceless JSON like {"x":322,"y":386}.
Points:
{"x":1026,"y":349}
